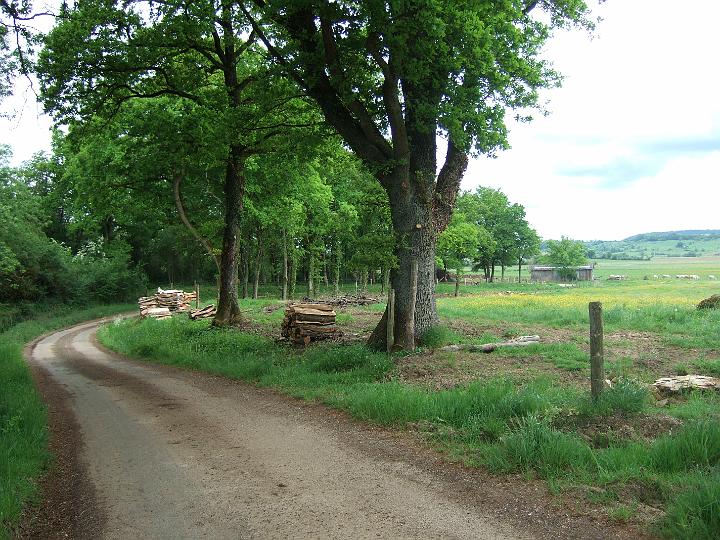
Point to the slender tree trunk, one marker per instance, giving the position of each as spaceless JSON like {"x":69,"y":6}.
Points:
{"x":258,"y":263}
{"x":325,"y":272}
{"x":457,"y":282}
{"x":285,"y":267}
{"x":519,"y":269}
{"x":293,"y":274}
{"x":228,"y":311}
{"x":364,"y":279}
{"x":338,"y":262}
{"x":311,"y":276}
{"x":502,"y":273}
{"x":245,"y":267}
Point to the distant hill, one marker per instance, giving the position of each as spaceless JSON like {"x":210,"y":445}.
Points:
{"x":675,"y":235}
{"x":689,"y":243}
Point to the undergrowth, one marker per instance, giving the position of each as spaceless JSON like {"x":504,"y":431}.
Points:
{"x":495,"y":423}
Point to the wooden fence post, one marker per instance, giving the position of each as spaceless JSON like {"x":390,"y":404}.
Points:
{"x":390,"y":321}
{"x":597,"y":371}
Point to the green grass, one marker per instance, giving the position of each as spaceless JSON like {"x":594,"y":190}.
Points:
{"x":496,"y":423}
{"x":23,"y":419}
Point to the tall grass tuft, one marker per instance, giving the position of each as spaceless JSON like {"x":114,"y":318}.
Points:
{"x":695,"y":513}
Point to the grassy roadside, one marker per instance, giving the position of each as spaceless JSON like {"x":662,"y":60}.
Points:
{"x":530,"y":427}
{"x":23,"y":418}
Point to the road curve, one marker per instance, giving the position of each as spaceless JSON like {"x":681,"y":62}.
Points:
{"x":169,"y":453}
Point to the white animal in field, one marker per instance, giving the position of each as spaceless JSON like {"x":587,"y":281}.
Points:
{"x":694,"y":276}
{"x":655,"y":276}
{"x":711,"y":277}
{"x":666,"y":276}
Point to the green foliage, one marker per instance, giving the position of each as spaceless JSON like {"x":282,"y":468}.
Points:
{"x":695,"y":513}
{"x":534,"y":445}
{"x":625,"y":396}
{"x":708,"y":367}
{"x":565,"y":254}
{"x":697,"y":445}
{"x":438,"y":336}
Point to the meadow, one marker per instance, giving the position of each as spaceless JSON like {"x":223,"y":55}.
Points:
{"x":649,"y":460}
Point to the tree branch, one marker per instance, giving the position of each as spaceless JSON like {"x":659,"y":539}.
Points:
{"x":447,"y":186}
{"x":177,"y":178}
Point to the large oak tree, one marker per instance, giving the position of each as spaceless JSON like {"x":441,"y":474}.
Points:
{"x":391,"y":76}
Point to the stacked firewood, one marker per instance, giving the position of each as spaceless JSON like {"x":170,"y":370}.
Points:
{"x":304,"y":323}
{"x":164,"y":303}
{"x":175,"y":300}
{"x":208,"y":312}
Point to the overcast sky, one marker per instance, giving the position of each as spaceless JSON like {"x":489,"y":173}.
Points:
{"x":632,"y":143}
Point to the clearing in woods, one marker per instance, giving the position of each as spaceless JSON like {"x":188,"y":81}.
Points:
{"x":645,"y":460}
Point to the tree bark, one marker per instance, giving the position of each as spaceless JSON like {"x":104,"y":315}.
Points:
{"x":258,"y":263}
{"x":245,"y":252}
{"x":412,"y":217}
{"x":228,"y":311}
{"x":338,"y":263}
{"x":285,"y":267}
{"x":310,"y":276}
{"x":457,"y":282}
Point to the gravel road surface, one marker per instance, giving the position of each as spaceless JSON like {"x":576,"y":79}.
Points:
{"x":148,"y":451}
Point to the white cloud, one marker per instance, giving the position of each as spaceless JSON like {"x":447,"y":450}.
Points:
{"x":638,"y":114}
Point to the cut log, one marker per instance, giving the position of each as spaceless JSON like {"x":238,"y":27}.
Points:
{"x":674,"y":385}
{"x":520,"y":341}
{"x":208,"y":312}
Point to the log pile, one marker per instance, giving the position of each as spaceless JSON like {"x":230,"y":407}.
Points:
{"x":163,"y":304}
{"x":304,"y":323}
{"x":208,"y":312}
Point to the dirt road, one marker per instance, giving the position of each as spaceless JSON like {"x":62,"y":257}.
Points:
{"x":149,"y":451}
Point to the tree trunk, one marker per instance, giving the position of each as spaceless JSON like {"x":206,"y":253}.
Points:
{"x":310,"y":276}
{"x":245,"y":267}
{"x":258,"y":263}
{"x":502,"y":273}
{"x":228,"y":311}
{"x":293,"y":273}
{"x":519,"y":269}
{"x":457,"y":282}
{"x":413,"y":224}
{"x":285,"y":267}
{"x":338,"y":264}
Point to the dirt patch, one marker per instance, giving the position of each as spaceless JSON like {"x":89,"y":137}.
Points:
{"x":601,"y":431}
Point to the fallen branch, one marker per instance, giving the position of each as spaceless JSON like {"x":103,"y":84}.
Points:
{"x":520,"y":341}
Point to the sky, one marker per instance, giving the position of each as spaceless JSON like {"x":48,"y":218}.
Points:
{"x":632,"y":141}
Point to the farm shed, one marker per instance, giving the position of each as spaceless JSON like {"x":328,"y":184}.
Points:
{"x":552,"y":273}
